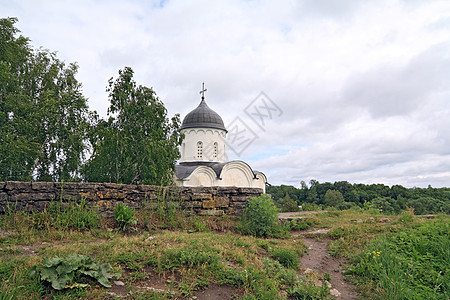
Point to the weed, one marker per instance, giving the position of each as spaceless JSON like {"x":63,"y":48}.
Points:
{"x":69,"y":272}
{"x":190,"y":257}
{"x":338,"y":232}
{"x":64,"y":216}
{"x":124,"y":216}
{"x":288,"y":258}
{"x":407,"y":216}
{"x":410,"y":264}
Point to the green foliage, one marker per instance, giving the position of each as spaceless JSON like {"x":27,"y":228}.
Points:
{"x":190,"y":256}
{"x":333,"y":198}
{"x":63,"y":216}
{"x":287,"y":204}
{"x":411,"y":264}
{"x":288,"y":258}
{"x":429,"y":205}
{"x":297,"y":287}
{"x":138,"y":144}
{"x":311,"y":206}
{"x":344,"y":195}
{"x":124,"y":216}
{"x":260,"y":218}
{"x":44,"y":117}
{"x":70,"y":272}
{"x":406,"y":216}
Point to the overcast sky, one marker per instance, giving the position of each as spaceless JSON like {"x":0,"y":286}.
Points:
{"x":352,"y":90}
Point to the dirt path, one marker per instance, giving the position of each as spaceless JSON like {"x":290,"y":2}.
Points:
{"x":318,"y":259}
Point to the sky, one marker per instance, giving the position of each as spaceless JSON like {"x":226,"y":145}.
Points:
{"x":331,"y":90}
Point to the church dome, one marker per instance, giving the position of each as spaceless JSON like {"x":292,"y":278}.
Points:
{"x":203,"y":116}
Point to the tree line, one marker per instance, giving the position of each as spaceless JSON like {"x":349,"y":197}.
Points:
{"x":48,"y":133}
{"x":344,"y":195}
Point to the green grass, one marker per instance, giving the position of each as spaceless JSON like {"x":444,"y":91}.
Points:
{"x":413,"y":263}
{"x":185,"y":254}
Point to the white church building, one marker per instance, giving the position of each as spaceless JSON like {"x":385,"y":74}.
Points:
{"x":203,"y":160}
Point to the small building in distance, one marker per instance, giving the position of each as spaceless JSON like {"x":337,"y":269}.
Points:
{"x":203,"y":160}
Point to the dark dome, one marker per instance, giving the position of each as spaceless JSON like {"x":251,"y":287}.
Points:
{"x":203,"y":116}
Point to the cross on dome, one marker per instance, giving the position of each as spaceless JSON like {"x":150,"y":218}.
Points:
{"x":203,"y":91}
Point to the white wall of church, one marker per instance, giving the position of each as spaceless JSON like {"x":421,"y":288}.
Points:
{"x":234,"y":173}
{"x":203,"y":144}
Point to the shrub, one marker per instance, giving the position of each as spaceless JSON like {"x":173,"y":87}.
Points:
{"x":124,"y":216}
{"x":311,"y":206}
{"x":260,"y":218}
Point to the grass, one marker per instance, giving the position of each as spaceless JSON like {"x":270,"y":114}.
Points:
{"x":413,"y":263}
{"x":182,"y":254}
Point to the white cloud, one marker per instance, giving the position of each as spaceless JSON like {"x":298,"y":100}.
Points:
{"x":363,"y":85}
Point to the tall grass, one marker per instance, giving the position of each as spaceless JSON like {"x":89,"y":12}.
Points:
{"x":411,"y":264}
{"x":64,"y":216}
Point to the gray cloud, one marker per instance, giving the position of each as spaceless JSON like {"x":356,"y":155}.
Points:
{"x":363,"y":86}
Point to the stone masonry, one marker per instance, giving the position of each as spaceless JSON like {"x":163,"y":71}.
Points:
{"x":35,"y":196}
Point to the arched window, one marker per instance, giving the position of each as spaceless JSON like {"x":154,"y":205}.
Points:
{"x":199,"y":150}
{"x":216,"y":147}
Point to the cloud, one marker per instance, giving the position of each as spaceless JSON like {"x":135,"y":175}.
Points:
{"x":363,"y":86}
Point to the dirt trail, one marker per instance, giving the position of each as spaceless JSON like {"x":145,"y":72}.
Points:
{"x":318,"y":259}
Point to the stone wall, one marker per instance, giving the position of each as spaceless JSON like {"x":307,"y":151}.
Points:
{"x":33,"y":196}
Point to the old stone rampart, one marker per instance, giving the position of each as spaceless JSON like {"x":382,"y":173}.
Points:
{"x":36,"y":196}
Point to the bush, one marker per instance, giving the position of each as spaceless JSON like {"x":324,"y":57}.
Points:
{"x":260,"y":218}
{"x":124,"y":216}
{"x":346,"y":205}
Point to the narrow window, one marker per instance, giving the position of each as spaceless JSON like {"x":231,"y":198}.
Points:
{"x":199,"y":150}
{"x":215,"y":150}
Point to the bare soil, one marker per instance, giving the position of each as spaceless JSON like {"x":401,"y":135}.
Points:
{"x":318,"y":259}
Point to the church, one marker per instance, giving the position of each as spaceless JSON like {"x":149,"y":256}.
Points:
{"x":203,"y":160}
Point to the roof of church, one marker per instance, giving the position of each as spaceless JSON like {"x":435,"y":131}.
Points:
{"x":185,"y":169}
{"x":203,"y":116}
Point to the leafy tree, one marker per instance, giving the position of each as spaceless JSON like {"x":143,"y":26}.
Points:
{"x":138,"y":144}
{"x":333,"y":198}
{"x":288,"y":204}
{"x":43,"y":114}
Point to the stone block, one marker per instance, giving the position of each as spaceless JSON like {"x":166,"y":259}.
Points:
{"x":239,"y":198}
{"x":222,"y":201}
{"x":201,"y":196}
{"x":17,"y":186}
{"x":250,"y":191}
{"x":43,"y":186}
{"x":3,"y":196}
{"x":192,"y":204}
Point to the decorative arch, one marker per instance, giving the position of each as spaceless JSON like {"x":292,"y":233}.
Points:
{"x":237,"y":173}
{"x":202,"y":176}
